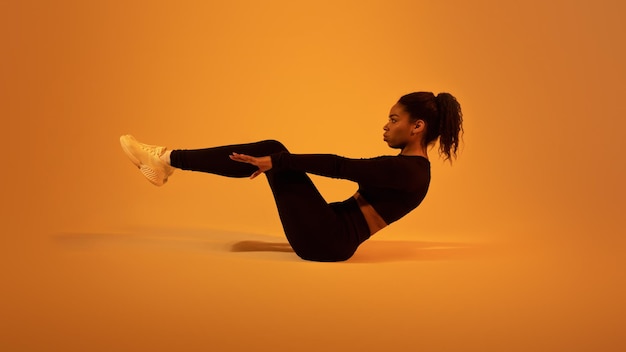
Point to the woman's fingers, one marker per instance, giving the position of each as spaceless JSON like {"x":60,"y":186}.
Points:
{"x":247,"y":159}
{"x":263,"y":163}
{"x":243,"y":158}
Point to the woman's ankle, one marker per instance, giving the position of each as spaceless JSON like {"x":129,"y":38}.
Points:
{"x":165,"y":157}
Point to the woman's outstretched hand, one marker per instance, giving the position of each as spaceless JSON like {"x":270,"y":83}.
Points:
{"x":264,"y":163}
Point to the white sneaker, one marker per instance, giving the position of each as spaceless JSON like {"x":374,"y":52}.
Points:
{"x":147,"y":159}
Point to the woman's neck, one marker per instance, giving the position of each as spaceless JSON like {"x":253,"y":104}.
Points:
{"x":414,"y":150}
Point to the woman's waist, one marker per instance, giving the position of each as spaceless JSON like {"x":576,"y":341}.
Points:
{"x":375,"y":222}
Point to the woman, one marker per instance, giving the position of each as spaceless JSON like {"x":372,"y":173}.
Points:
{"x":389,"y":186}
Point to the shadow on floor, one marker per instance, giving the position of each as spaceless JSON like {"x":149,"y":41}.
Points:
{"x":260,"y":246}
{"x":372,"y":251}
{"x":384,"y":251}
{"x":391,"y":251}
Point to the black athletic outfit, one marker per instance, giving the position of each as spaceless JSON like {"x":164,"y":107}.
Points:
{"x":315,"y":229}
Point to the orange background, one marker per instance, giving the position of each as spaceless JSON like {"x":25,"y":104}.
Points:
{"x":535,"y":198}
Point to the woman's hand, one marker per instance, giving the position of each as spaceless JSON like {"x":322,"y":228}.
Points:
{"x":264,"y":163}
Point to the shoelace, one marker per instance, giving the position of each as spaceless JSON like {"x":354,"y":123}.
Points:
{"x":152,"y":149}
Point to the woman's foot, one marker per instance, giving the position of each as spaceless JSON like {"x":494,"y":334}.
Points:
{"x":148,"y":159}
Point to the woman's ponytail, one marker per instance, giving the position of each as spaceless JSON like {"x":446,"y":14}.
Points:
{"x":450,"y":124}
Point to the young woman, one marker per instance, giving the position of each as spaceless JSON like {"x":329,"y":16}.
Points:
{"x":389,"y":186}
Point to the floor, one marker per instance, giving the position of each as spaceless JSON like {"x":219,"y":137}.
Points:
{"x":200,"y":289}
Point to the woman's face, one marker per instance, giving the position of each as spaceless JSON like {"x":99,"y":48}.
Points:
{"x":398,"y":128}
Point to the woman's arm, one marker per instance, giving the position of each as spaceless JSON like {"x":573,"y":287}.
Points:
{"x":387,"y":171}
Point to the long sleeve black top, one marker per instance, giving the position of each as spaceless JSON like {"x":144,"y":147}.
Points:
{"x":393,"y":185}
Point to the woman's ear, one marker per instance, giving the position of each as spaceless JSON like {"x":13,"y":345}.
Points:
{"x":419,"y":126}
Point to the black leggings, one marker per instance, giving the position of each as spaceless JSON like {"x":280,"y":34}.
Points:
{"x":315,"y":229}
